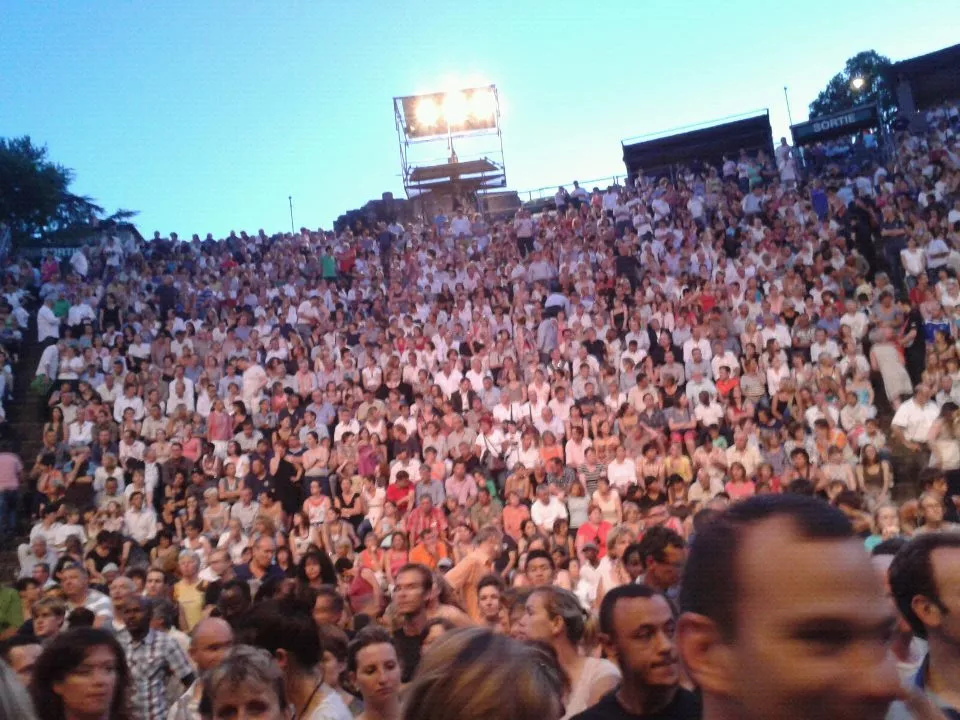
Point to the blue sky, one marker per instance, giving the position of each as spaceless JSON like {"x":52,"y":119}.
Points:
{"x":205,"y":116}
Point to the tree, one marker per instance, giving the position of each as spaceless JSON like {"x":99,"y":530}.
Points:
{"x":841,"y":94}
{"x":36,"y":204}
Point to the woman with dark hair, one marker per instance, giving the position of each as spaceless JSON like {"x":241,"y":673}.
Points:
{"x":82,"y":673}
{"x":316,"y":569}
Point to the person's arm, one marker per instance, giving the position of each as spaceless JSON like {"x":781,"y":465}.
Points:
{"x":887,"y":478}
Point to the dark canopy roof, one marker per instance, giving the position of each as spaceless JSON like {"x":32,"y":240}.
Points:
{"x":933,"y":77}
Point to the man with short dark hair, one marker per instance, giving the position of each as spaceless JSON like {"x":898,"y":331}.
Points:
{"x":76,"y":587}
{"x":20,"y":653}
{"x":153,"y":657}
{"x":784,"y":617}
{"x":663,"y":552}
{"x":411,"y":595}
{"x":925,"y":581}
{"x":637,"y":627}
{"x":490,"y":602}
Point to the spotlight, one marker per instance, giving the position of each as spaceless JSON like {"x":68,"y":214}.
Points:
{"x":481,"y":104}
{"x":857,"y":83}
{"x":455,"y":108}
{"x":428,"y":112}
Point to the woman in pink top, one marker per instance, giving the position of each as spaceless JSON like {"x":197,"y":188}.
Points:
{"x":219,"y":426}
{"x":513,"y":515}
{"x":739,"y":486}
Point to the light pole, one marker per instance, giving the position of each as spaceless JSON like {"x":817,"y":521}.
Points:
{"x":290,"y":200}
{"x":787,"y":98}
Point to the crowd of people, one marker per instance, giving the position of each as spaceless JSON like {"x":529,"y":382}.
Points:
{"x":501,"y":441}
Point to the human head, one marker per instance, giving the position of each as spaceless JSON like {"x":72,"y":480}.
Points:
{"x":489,"y":598}
{"x":247,"y":682}
{"x":468,"y":669}
{"x":20,"y":653}
{"x":48,"y":616}
{"x":285,"y":629}
{"x":137,"y":612}
{"x":210,"y":641}
{"x":663,"y":552}
{"x":539,"y":568}
{"x":373,"y":666}
{"x":74,"y":579}
{"x":81,"y":673}
{"x":637,"y":626}
{"x":553,"y":615}
{"x":783,"y":615}
{"x":414,"y":583}
{"x":328,"y":606}
{"x":925,"y":582}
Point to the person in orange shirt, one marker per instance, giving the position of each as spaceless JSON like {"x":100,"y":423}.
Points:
{"x":465,"y":577}
{"x":429,"y":551}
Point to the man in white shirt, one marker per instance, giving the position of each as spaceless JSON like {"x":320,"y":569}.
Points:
{"x":546,"y":510}
{"x":129,"y":399}
{"x":48,"y":324}
{"x":141,"y":521}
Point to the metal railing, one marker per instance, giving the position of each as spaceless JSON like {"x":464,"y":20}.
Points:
{"x":588,"y":185}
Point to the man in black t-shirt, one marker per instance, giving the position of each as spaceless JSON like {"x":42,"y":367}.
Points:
{"x":410,"y":596}
{"x":637,"y":628}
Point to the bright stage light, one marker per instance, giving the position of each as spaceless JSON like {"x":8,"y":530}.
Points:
{"x":481,"y":104}
{"x":857,"y":83}
{"x":428,"y":112}
{"x":455,"y":108}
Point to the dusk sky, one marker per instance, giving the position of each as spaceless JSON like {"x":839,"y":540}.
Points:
{"x":205,"y":116}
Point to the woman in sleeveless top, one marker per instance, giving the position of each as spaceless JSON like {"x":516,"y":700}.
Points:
{"x":590,"y":678}
{"x":874,"y":476}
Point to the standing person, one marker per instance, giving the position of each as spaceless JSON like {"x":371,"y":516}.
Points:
{"x":637,"y":627}
{"x":82,"y":673}
{"x":411,"y":594}
{"x":210,"y":642}
{"x":11,"y":475}
{"x":374,"y":670}
{"x":466,"y":575}
{"x":925,"y":581}
{"x":784,"y":617}
{"x":385,"y":245}
{"x":285,"y":629}
{"x":554,"y":616}
{"x":154,"y":658}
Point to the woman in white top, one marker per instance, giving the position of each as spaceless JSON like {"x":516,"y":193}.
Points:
{"x":622,"y":471}
{"x":590,"y":678}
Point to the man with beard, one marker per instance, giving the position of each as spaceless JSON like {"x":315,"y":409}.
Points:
{"x":637,"y":628}
{"x":411,"y":595}
{"x":784,"y":617}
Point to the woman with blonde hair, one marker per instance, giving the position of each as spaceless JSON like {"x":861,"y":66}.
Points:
{"x":475,"y":674}
{"x":554,"y":616}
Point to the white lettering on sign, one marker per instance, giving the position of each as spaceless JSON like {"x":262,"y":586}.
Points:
{"x":836,"y":122}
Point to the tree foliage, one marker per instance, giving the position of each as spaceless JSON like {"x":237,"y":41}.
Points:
{"x":36,"y":203}
{"x":839,"y":94}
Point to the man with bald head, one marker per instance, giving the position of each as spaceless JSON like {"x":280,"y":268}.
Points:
{"x":210,"y":642}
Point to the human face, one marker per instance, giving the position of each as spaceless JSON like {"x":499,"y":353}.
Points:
{"x":155,"y":584}
{"x":263,"y":552}
{"x":47,"y":624}
{"x":324,"y":612}
{"x":136,"y":617}
{"x":666,"y":574}
{"x":945,"y":621}
{"x":813,"y":631}
{"x":489,"y":603}
{"x":211,"y":644}
{"x":409,"y":595}
{"x":22,"y":660}
{"x":74,"y":583}
{"x":642,"y":642}
{"x":536,"y":623}
{"x":378,"y":673}
{"x":539,"y":572}
{"x":247,"y":701}
{"x":88,"y":690}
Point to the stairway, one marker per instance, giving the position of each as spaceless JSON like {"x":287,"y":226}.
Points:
{"x":26,"y":415}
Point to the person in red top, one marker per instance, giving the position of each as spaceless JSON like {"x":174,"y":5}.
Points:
{"x":401,"y":493}
{"x":424,"y":517}
{"x":594,"y":531}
